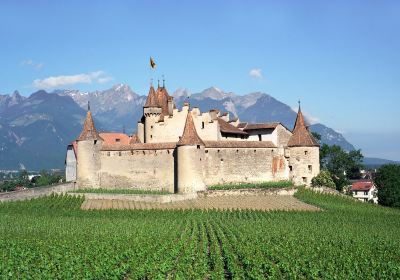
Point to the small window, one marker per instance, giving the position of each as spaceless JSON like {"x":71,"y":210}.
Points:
{"x":95,"y":142}
{"x":222,"y":159}
{"x":202,"y":125}
{"x":304,"y":179}
{"x":254,"y":150}
{"x":218,"y":151}
{"x":206,"y":151}
{"x":305,"y":153}
{"x":237,"y":151}
{"x":132,"y":152}
{"x":355,"y":192}
{"x":119,"y":153}
{"x":290,"y":168}
{"x":117,"y":140}
{"x":198,"y":147}
{"x":310,"y":168}
{"x":259,"y":137}
{"x":365,"y":192}
{"x":151,"y":127}
{"x":108,"y":154}
{"x":151,"y":136}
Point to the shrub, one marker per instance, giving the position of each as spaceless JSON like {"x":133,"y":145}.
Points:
{"x":323,"y":179}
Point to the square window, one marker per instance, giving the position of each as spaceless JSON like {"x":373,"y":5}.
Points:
{"x":310,"y":168}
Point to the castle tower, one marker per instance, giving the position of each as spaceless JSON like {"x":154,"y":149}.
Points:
{"x":89,"y":145}
{"x":304,"y":153}
{"x":190,"y":153}
{"x":151,"y":112}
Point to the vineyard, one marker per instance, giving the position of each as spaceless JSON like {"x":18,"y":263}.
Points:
{"x":52,"y":238}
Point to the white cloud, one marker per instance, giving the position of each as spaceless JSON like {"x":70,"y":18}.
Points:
{"x":256,"y":73}
{"x":60,"y":81}
{"x":33,"y":64}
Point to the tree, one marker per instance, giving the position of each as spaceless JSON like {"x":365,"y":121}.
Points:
{"x":323,"y":179}
{"x":387,"y":180}
{"x":341,"y":164}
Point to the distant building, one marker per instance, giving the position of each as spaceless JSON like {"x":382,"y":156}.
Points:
{"x":364,"y":191}
{"x":186,"y":150}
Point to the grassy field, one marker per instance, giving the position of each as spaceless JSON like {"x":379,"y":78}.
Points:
{"x":119,"y":191}
{"x":263,"y":185}
{"x":52,"y":238}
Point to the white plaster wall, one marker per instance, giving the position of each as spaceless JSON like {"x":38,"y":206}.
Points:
{"x":70,"y":165}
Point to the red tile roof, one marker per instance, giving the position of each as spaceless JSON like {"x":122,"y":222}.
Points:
{"x":113,"y":138}
{"x":190,"y":136}
{"x":301,"y":136}
{"x":361,"y":186}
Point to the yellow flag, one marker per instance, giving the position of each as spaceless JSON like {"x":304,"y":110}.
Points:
{"x":153,"y":65}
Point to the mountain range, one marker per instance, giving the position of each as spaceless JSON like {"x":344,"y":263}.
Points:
{"x":35,"y":130}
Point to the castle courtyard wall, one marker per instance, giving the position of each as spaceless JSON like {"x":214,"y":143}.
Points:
{"x":235,"y":165}
{"x":138,"y":169}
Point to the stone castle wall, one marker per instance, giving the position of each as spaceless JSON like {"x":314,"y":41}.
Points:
{"x":138,"y":169}
{"x":304,"y":164}
{"x":235,"y":165}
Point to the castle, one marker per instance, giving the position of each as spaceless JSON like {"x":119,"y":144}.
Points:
{"x":184,"y":151}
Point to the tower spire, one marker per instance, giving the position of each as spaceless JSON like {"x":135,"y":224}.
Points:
{"x":88,"y":105}
{"x":190,"y":136}
{"x":301,"y":137}
{"x":89,"y":131}
{"x":163,"y":81}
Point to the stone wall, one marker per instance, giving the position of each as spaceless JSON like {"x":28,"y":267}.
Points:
{"x":138,"y":169}
{"x":36,"y":192}
{"x":234,"y":165}
{"x":88,"y":163}
{"x":304,"y":164}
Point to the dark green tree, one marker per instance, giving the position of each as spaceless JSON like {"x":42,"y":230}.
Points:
{"x":387,"y":180}
{"x":341,"y":164}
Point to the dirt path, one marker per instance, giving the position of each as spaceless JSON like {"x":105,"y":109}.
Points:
{"x":250,"y":202}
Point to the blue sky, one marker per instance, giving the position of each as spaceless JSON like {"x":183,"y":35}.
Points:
{"x":341,"y":58}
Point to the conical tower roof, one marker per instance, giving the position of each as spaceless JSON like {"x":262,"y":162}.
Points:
{"x":89,"y":131}
{"x":151,"y":100}
{"x":190,"y":136}
{"x":301,"y":137}
{"x":162,"y":98}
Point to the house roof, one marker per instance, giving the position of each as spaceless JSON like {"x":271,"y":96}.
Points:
{"x":111,"y":138}
{"x":254,"y":126}
{"x":301,"y":137}
{"x":134,"y":139}
{"x":152,"y":100}
{"x":139,"y":146}
{"x":239,"y":144}
{"x":362,"y":186}
{"x":89,"y":131}
{"x":228,"y":128}
{"x":190,"y":136}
